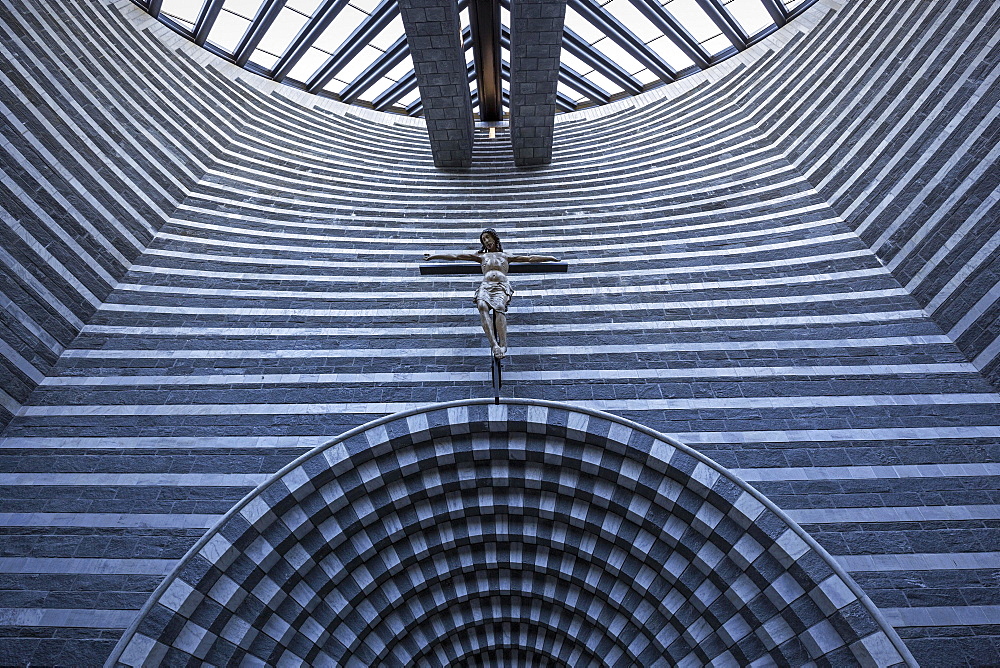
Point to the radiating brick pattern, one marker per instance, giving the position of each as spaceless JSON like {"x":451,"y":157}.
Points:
{"x":434,"y":36}
{"x":536,"y":32}
{"x":398,"y":544}
{"x":714,"y":294}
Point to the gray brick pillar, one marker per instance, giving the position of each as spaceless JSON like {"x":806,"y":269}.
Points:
{"x":535,"y":41}
{"x":433,"y":31}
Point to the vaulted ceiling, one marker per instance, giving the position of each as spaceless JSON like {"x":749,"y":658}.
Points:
{"x":356,"y":51}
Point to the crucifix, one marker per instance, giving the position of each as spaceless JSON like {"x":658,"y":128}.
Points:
{"x":494,"y":292}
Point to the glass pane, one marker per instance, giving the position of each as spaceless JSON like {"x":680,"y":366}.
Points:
{"x":609,"y":86}
{"x":281,"y":33}
{"x":619,"y":56}
{"x":792,"y":4}
{"x":389,"y":35}
{"x":401,"y":70}
{"x":716,"y":44}
{"x":569,"y":92}
{"x":409,"y":98}
{"x":264,"y":59}
{"x":184,"y":12}
{"x":358,"y":64}
{"x":693,"y":17}
{"x":367,"y":6}
{"x":306,"y":7}
{"x":377,"y":89}
{"x":308,"y":64}
{"x":228,"y":30}
{"x":671,"y":53}
{"x":645,"y":76}
{"x":574,"y":63}
{"x":582,"y":27}
{"x":337,"y":33}
{"x":246,"y":8}
{"x":632,"y":18}
{"x":750,"y":14}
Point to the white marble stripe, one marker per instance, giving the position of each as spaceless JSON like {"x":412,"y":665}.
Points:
{"x":651,"y":325}
{"x":959,"y":194}
{"x":29,"y":324}
{"x":802,"y":474}
{"x":99,"y":53}
{"x":893,"y":514}
{"x":707,"y":438}
{"x":384,"y":295}
{"x":732,"y":158}
{"x":877,"y":81}
{"x":827,"y":435}
{"x":19,"y":362}
{"x":592,"y":375}
{"x":939,"y":123}
{"x":420,"y":245}
{"x":608,"y":405}
{"x":814,"y":298}
{"x":52,"y":263}
{"x":43,"y":479}
{"x":409,"y":353}
{"x":988,"y":354}
{"x":458,"y":224}
{"x":9,"y":403}
{"x":53,"y":163}
{"x":231,"y":246}
{"x":72,"y":168}
{"x":86,"y":618}
{"x":436,"y":232}
{"x":975,"y":312}
{"x":973,"y":264}
{"x":85,"y":566}
{"x":869,"y":472}
{"x":162,"y":442}
{"x":371,"y":265}
{"x":970,"y":615}
{"x":791,"y":263}
{"x":109,"y":520}
{"x":925,"y":561}
{"x":54,"y":228}
{"x":39,"y":289}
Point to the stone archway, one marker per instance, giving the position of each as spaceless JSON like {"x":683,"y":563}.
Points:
{"x":531,"y":527}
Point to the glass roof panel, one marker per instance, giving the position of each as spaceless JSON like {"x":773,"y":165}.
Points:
{"x":307,"y":7}
{"x":671,"y":53}
{"x":238,"y":15}
{"x":337,"y":33}
{"x":602,"y":81}
{"x":693,"y":17}
{"x":628,"y":15}
{"x":389,"y":35}
{"x":184,"y":12}
{"x":750,"y":14}
{"x":619,"y":56}
{"x":281,"y":33}
{"x":582,"y":27}
{"x":311,"y":61}
{"x":229,"y":28}
{"x":571,"y":93}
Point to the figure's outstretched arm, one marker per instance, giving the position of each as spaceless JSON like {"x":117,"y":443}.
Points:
{"x":467,"y":257}
{"x":532,"y":258}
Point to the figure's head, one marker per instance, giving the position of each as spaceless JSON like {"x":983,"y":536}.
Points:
{"x":490,"y":241}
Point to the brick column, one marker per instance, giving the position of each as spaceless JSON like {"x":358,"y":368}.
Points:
{"x":535,"y":41}
{"x":433,"y":31}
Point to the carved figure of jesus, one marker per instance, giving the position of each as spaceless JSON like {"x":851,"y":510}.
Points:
{"x":494,"y":293}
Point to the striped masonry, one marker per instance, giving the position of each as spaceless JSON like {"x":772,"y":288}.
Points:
{"x":720,"y":291}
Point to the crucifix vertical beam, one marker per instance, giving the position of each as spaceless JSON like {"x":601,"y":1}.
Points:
{"x":434,"y":33}
{"x":484,"y":19}
{"x":536,"y":37}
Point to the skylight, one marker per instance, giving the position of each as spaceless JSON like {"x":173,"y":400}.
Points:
{"x":355,"y":50}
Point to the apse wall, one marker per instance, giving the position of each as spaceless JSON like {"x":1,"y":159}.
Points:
{"x":99,"y":146}
{"x":713,"y":294}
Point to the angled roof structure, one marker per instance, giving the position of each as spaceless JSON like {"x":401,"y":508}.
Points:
{"x":356,"y":50}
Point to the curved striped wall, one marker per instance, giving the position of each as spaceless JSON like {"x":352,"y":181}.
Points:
{"x":721,"y":290}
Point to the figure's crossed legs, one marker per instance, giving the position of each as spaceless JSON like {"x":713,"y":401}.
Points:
{"x":497,"y":335}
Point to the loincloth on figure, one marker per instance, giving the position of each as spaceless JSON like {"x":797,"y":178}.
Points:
{"x":496,"y":294}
